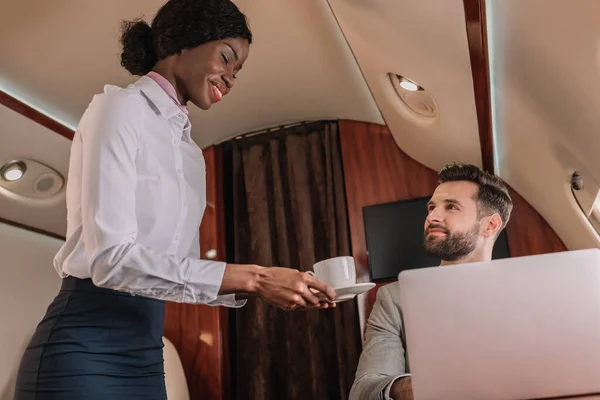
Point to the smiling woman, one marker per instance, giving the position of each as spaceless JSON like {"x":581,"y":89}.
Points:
{"x":136,"y":194}
{"x":200,"y":59}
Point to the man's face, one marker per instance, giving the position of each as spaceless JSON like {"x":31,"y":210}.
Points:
{"x":452,"y":226}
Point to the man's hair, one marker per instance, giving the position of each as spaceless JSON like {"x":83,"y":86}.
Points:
{"x":492,"y":196}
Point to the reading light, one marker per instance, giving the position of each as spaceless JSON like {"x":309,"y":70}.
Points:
{"x":414,"y":98}
{"x":405,"y":83}
{"x":13,"y":170}
{"x":409,"y":85}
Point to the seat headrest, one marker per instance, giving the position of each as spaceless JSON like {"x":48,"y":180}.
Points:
{"x":177,"y":388}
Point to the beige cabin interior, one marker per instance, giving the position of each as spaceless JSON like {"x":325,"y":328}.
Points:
{"x":508,"y":85}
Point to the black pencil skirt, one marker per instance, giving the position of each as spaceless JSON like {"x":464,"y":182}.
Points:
{"x":95,"y":343}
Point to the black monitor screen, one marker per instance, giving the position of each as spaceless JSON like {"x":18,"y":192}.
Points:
{"x":394,"y":233}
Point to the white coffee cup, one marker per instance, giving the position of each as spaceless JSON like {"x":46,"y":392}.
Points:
{"x":337,"y":272}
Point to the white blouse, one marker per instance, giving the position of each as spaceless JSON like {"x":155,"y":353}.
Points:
{"x":136,"y":194}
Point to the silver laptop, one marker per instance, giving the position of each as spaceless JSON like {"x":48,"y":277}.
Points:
{"x":518,"y":328}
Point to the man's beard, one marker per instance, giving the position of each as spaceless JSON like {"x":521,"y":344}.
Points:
{"x":452,"y":247}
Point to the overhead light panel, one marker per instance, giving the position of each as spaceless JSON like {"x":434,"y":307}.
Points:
{"x":29,"y":179}
{"x":13,"y":170}
{"x":416,"y":101}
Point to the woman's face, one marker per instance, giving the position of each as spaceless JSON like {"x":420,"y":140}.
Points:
{"x":205,"y":74}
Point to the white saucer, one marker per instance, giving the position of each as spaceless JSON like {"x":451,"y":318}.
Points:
{"x":349,"y":292}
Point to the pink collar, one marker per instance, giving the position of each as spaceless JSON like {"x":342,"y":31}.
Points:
{"x":168,"y":88}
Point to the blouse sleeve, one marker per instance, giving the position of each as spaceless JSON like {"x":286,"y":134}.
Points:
{"x":227,"y":300}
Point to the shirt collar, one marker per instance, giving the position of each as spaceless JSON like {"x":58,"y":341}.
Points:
{"x":168,"y":88}
{"x":167,"y":106}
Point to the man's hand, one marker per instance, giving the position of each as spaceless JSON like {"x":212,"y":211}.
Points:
{"x":402,"y":389}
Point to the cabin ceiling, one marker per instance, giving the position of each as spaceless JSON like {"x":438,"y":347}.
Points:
{"x":299,"y":68}
{"x":330,"y":59}
{"x":426,"y":42}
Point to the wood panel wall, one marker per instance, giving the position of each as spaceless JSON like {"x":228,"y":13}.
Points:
{"x":528,"y":232}
{"x":377,"y":171}
{"x":198,"y":332}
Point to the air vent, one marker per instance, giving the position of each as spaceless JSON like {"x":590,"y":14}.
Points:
{"x":47,"y":185}
{"x":420,"y":103}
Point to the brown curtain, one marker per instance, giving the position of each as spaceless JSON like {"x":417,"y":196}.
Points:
{"x":290,"y":210}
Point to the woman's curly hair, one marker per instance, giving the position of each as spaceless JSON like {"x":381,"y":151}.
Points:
{"x":179,"y":25}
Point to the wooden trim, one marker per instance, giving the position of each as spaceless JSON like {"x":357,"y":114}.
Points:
{"x":34,"y":115}
{"x":476,"y":25}
{"x":222,"y":256}
{"x":31,"y":229}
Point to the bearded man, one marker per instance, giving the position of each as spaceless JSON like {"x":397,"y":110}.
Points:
{"x":466,"y":213}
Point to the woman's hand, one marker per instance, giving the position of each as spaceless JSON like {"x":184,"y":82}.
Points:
{"x":285,"y":288}
{"x":290,"y":289}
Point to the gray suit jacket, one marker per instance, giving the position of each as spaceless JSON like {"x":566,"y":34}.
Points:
{"x":383,"y":357}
